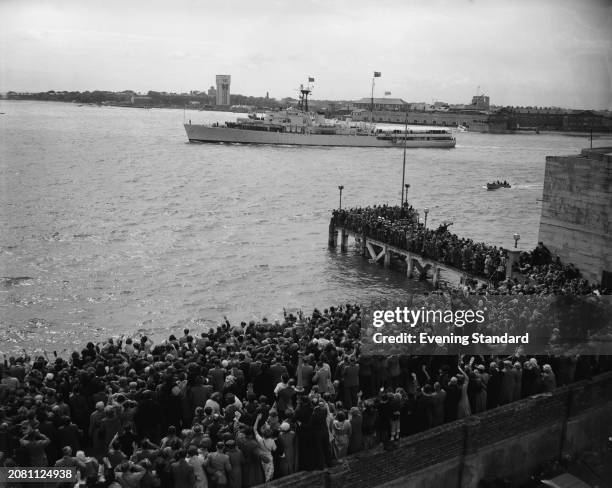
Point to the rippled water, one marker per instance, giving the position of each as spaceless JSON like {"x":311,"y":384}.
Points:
{"x":112,"y":223}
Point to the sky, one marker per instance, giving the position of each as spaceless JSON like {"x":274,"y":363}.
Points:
{"x":519,"y":52}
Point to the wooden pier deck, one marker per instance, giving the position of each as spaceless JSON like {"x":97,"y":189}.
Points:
{"x":416,"y":265}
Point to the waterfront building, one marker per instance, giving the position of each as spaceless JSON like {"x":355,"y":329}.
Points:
{"x":587,"y":120}
{"x":576,"y":221}
{"x":380,"y":104}
{"x":554,"y":118}
{"x":223,"y":89}
{"x":212,"y":95}
{"x":543,"y":118}
{"x":394,"y":111}
{"x":141,"y":101}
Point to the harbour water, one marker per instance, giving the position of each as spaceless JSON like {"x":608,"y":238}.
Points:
{"x":112,"y":223}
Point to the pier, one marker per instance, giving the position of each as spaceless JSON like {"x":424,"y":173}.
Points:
{"x":417,"y":264}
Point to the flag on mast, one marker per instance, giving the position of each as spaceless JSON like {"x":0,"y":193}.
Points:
{"x":310,"y":79}
{"x":376,"y":74}
{"x":387,"y":93}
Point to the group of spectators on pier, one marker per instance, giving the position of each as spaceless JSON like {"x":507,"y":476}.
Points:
{"x":400,"y":227}
{"x":239,"y":406}
{"x":541,"y":273}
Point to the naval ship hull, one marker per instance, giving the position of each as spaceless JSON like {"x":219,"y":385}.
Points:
{"x":204,"y":133}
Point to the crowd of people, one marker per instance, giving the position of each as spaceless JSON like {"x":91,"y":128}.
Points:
{"x":239,"y":406}
{"x":541,"y":273}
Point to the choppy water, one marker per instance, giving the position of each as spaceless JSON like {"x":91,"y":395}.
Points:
{"x":111,"y":222}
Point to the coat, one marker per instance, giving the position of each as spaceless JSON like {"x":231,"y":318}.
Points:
{"x":182,"y":474}
{"x":286,"y":459}
{"x":322,"y":378}
{"x":356,"y":440}
{"x":342,"y":436}
{"x":253,"y":472}
{"x":218,"y":467}
{"x":237,"y":463}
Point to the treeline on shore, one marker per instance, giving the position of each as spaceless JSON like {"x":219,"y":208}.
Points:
{"x":151,"y":99}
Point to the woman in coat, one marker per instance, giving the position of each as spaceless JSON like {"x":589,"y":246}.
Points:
{"x":356,"y":440}
{"x":341,"y":428}
{"x":253,"y":472}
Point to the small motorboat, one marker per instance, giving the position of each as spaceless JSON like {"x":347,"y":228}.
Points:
{"x":498,"y":184}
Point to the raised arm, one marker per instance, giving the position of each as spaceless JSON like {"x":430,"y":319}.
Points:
{"x":258,"y":437}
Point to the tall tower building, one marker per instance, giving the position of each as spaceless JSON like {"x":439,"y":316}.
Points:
{"x":223,"y":89}
{"x":481,"y":102}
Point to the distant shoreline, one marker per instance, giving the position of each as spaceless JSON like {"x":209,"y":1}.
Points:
{"x":123,"y":105}
{"x":604,"y":135}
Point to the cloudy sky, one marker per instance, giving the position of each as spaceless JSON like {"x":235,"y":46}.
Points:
{"x":519,"y":52}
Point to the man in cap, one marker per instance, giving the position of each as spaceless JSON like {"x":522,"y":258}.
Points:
{"x":219,"y":467}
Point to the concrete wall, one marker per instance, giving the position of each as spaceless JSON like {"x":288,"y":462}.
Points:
{"x":576,"y":221}
{"x":510,"y":441}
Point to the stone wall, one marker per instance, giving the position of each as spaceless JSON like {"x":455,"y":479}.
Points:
{"x":576,"y":221}
{"x":509,"y":441}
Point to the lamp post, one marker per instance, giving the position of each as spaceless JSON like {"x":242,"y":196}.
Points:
{"x":517,"y":237}
{"x":404,"y":167}
{"x":340,"y":188}
{"x":425,"y":211}
{"x":407,"y":186}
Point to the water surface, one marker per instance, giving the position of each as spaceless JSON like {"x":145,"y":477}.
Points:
{"x":111,"y":222}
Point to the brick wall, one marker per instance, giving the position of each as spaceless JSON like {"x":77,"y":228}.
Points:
{"x":576,"y":221}
{"x":508,"y":441}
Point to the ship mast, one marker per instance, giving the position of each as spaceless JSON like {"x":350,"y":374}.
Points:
{"x":304,"y":92}
{"x":377,"y":74}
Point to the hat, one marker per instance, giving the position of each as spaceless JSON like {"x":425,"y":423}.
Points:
{"x":284,"y":427}
{"x":230,"y":444}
